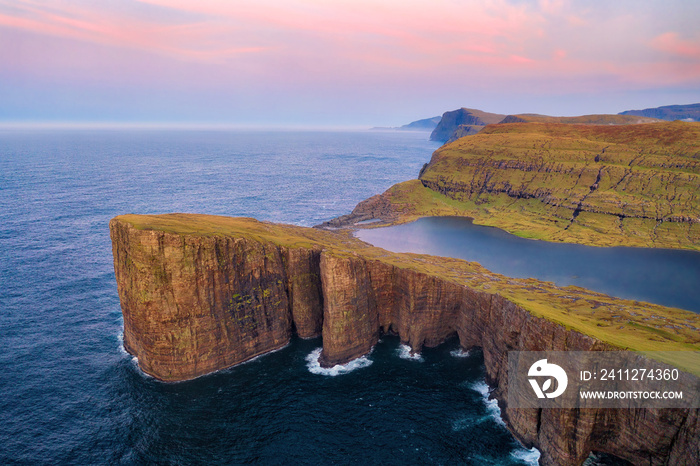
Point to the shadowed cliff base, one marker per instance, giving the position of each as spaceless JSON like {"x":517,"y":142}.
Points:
{"x":634,"y":185}
{"x":201,"y":293}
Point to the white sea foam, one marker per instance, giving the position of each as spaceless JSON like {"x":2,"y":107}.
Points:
{"x":404,"y":352}
{"x":491,"y":405}
{"x":315,"y":367}
{"x":120,"y":339}
{"x":492,"y":410}
{"x":124,"y":352}
{"x":531,"y":456}
{"x":460,"y":353}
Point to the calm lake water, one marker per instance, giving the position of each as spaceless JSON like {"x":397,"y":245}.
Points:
{"x":70,"y":395}
{"x":660,"y":276}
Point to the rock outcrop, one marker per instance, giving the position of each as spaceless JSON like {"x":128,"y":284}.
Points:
{"x":202,"y":293}
{"x":462,"y":122}
{"x":193,"y":305}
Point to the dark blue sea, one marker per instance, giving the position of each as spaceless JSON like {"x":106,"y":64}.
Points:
{"x":70,"y":395}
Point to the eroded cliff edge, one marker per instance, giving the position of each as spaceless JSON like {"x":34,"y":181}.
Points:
{"x":202,"y":293}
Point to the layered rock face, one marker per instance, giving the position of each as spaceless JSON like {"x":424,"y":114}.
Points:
{"x":196,"y":303}
{"x":621,"y":175}
{"x":601,"y":185}
{"x":567,"y":436}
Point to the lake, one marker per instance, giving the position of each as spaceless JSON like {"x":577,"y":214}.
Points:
{"x":661,"y":276}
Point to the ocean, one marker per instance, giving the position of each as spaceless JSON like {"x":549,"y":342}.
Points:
{"x":69,"y":394}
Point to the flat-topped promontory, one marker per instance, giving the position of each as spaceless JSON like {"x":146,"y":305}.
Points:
{"x":202,"y":293}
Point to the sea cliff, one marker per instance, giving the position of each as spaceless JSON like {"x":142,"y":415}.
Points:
{"x":601,"y":185}
{"x":202,"y":293}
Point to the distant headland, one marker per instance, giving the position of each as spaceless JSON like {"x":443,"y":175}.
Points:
{"x":602,"y":180}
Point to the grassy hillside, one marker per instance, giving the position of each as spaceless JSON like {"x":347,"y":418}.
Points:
{"x":580,"y":120}
{"x":635,"y":185}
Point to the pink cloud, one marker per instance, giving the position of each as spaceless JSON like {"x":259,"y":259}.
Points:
{"x":517,"y":59}
{"x":671,"y":43}
{"x":187,"y":41}
{"x":559,"y":54}
{"x":408,"y":27}
{"x":365,"y":42}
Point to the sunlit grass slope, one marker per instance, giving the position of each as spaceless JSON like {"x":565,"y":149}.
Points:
{"x":603,"y":185}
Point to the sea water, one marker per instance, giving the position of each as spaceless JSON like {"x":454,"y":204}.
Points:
{"x":70,"y":394}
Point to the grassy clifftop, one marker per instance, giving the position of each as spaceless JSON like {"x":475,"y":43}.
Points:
{"x":602,"y":185}
{"x":603,"y":119}
{"x":621,"y":323}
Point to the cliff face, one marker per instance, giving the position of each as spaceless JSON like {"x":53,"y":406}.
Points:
{"x":196,"y":305}
{"x":466,"y":120}
{"x":195,"y":302}
{"x":304,"y":290}
{"x":621,"y":179}
{"x":567,"y":436}
{"x":350,"y":320}
{"x":601,"y":185}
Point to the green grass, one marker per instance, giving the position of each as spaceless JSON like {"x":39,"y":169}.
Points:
{"x":585,"y":119}
{"x":633,"y":185}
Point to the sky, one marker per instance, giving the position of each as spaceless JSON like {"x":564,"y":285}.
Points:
{"x":302,"y":63}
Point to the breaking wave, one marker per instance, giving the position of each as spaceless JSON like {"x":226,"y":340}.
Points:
{"x":460,"y":353}
{"x":493,"y":412}
{"x":531,"y":456}
{"x":491,"y":405}
{"x":404,"y":352}
{"x":315,"y":367}
{"x":120,"y":339}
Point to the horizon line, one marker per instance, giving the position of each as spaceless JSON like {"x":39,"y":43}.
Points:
{"x":150,"y":125}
